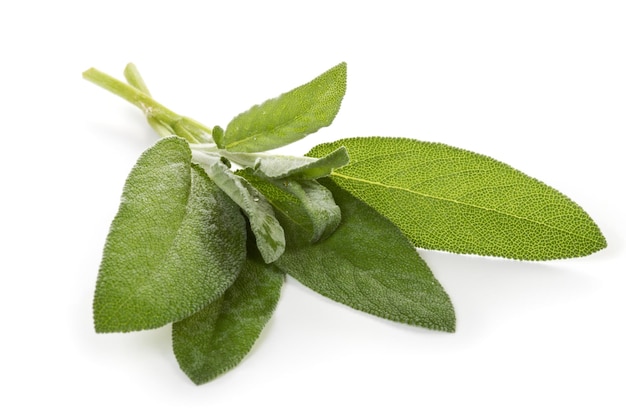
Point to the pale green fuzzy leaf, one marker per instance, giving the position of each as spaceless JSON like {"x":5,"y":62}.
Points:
{"x":306,"y":203}
{"x":176,"y":244}
{"x":267,"y":230}
{"x":217,"y":338}
{"x":289,"y":117}
{"x":283,"y":166}
{"x":451,"y":199}
{"x":368,"y":264}
{"x":304,"y":168}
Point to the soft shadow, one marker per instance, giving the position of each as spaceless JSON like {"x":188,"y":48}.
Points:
{"x":487,"y":290}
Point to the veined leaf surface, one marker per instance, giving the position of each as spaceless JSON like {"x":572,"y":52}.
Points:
{"x":369,"y":265}
{"x":218,"y":337}
{"x":176,"y":244}
{"x":289,"y":117}
{"x":455,"y":200}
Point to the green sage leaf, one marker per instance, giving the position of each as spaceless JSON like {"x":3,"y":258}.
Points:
{"x":283,"y":166}
{"x":455,"y":200}
{"x":267,"y":230}
{"x":368,"y":264}
{"x":307,"y":204}
{"x":218,"y":337}
{"x":289,"y":117}
{"x":319,"y":204}
{"x":305,"y":168}
{"x":176,"y":244}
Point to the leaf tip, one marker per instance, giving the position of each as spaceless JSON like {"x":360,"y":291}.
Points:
{"x":218,"y":136}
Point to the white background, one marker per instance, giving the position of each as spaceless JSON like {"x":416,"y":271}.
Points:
{"x":540,"y":85}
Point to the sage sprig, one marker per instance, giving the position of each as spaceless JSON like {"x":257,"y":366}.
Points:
{"x":209,"y":225}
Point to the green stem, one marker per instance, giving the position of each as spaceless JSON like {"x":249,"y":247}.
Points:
{"x":161,"y":129}
{"x":131,"y":73}
{"x":131,"y":94}
{"x":134,"y":78}
{"x":163,"y":120}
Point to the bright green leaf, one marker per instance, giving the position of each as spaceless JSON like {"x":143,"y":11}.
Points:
{"x":218,"y":134}
{"x":176,"y":244}
{"x":218,"y":337}
{"x":269,"y":234}
{"x":368,"y":264}
{"x":289,"y":117}
{"x":451,"y":199}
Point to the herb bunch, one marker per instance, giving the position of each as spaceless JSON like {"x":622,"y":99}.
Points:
{"x":210,"y":225}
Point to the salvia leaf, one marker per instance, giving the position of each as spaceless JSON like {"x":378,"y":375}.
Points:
{"x":283,"y":166}
{"x":289,"y":117}
{"x":455,"y":200}
{"x":369,"y":265}
{"x":285,"y":204}
{"x":308,"y":205}
{"x":319,"y":204}
{"x":176,"y":244}
{"x":267,"y":230}
{"x":344,"y":220}
{"x":218,"y":337}
{"x":305,"y":168}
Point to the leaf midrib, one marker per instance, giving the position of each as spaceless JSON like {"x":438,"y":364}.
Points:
{"x":462,"y":203}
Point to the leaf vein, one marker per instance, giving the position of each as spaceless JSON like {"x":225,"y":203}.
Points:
{"x":463,"y":203}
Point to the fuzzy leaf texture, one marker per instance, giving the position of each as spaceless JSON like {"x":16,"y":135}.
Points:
{"x":217,"y":338}
{"x":369,"y":265}
{"x":269,"y":235}
{"x":304,"y":168}
{"x":176,"y":244}
{"x":308,"y":205}
{"x":289,"y":117}
{"x":455,"y":200}
{"x":319,"y":204}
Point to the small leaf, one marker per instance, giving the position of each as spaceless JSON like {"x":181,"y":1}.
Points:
{"x":218,"y":135}
{"x":369,"y":265}
{"x":269,"y":234}
{"x":306,"y":203}
{"x":289,"y":117}
{"x":451,"y":199}
{"x":176,"y":244}
{"x":218,"y":337}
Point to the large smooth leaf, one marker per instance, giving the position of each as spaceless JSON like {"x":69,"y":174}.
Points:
{"x":269,"y":234}
{"x":368,"y":264}
{"x":451,"y":199}
{"x":176,"y":244}
{"x":218,"y":337}
{"x":289,"y":117}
